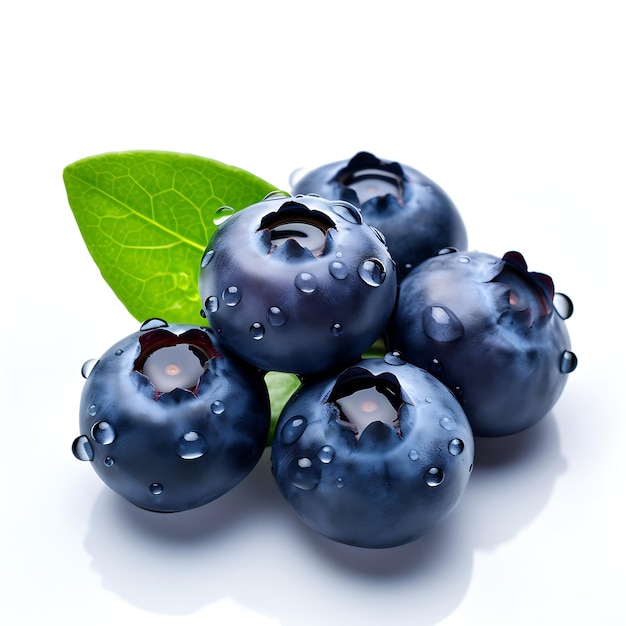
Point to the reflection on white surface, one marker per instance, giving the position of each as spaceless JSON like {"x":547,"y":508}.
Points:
{"x":248,"y":546}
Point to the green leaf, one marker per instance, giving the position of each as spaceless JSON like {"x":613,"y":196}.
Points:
{"x":281,"y":387}
{"x":147,"y":217}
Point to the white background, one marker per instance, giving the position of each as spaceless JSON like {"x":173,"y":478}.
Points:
{"x":516,"y":109}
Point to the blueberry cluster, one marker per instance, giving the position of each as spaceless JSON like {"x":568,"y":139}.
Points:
{"x":371,"y":451}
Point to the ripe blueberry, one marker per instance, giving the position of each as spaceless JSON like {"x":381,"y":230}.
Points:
{"x":415,"y":215}
{"x":167,"y":421}
{"x":490,"y":330}
{"x":374,"y":457}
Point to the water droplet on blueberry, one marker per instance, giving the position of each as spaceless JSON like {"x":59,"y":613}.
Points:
{"x":81,"y":449}
{"x":276,"y":316}
{"x":152,"y":323}
{"x":231,"y":296}
{"x":218,"y":407}
{"x":103,"y":433}
{"x":339,"y":483}
{"x":372,"y":272}
{"x":434,"y":477}
{"x":336,"y":330}
{"x":569,"y":361}
{"x":206,"y":259}
{"x":293,"y":429}
{"x":326,"y":454}
{"x":156,"y":489}
{"x":304,"y":473}
{"x":413,"y":455}
{"x":348,"y":212}
{"x":257,"y":331}
{"x":109,"y":461}
{"x":212,"y":304}
{"x":338,"y":270}
{"x":446,"y":423}
{"x":192,"y":445}
{"x":464,"y":259}
{"x":394,"y":358}
{"x":92,"y":410}
{"x":441,"y":324}
{"x":305,"y":282}
{"x":87,"y":367}
{"x":455,"y":447}
{"x":563,"y":305}
{"x":222,"y":214}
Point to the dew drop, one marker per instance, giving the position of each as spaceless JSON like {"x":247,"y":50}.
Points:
{"x":207,"y":258}
{"x":218,"y":407}
{"x":435,"y":366}
{"x":293,"y":429}
{"x":212,"y":304}
{"x":444,"y":251}
{"x":434,"y":477}
{"x":103,"y":433}
{"x":156,"y":489}
{"x":304,"y":473}
{"x":464,"y":259}
{"x":152,"y":323}
{"x":441,"y":324}
{"x":336,"y":330}
{"x":192,"y":445}
{"x":372,"y":272}
{"x":231,"y":296}
{"x":276,"y":316}
{"x":428,"y":399}
{"x":92,"y":410}
{"x":277,"y":195}
{"x":339,"y":483}
{"x":257,"y":331}
{"x":348,"y":212}
{"x":569,"y":361}
{"x":81,"y":449}
{"x":563,"y":305}
{"x":446,"y":423}
{"x":87,"y":367}
{"x":119,"y":351}
{"x":222,"y":214}
{"x":394,"y":358}
{"x":338,"y":270}
{"x":326,"y":454}
{"x":413,"y":455}
{"x":455,"y":447}
{"x":109,"y":461}
{"x":305,"y":282}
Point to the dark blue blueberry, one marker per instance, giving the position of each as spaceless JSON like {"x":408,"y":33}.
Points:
{"x":297,"y":284}
{"x":374,"y":457}
{"x":170,"y":423}
{"x":490,"y":330}
{"x":415,"y":215}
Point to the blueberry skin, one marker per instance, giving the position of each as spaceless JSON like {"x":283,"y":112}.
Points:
{"x":488,"y":329}
{"x":286,"y":301}
{"x":172,"y":451}
{"x":396,"y":481}
{"x":415,"y":215}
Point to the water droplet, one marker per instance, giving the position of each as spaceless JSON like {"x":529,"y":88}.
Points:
{"x":218,"y":407}
{"x":394,"y":358}
{"x":92,"y":410}
{"x":212,"y":304}
{"x":305,"y":282}
{"x":119,"y":351}
{"x":435,"y":366}
{"x":326,"y":454}
{"x":277,"y":195}
{"x":464,"y":259}
{"x":222,"y":214}
{"x":455,"y":447}
{"x":192,"y":445}
{"x":156,"y":489}
{"x":293,"y":429}
{"x":563,"y":305}
{"x":339,"y":483}
{"x":257,"y":331}
{"x":275,"y":316}
{"x":231,"y":296}
{"x":413,"y":455}
{"x":446,"y":423}
{"x":336,"y":330}
{"x":152,"y":323}
{"x":569,"y":361}
{"x":338,"y":270}
{"x":304,"y":473}
{"x":434,"y":477}
{"x":87,"y":367}
{"x":448,"y":250}
{"x":207,"y":258}
{"x":428,"y":399}
{"x":379,"y":235}
{"x":348,"y":212}
{"x":109,"y":461}
{"x":441,"y":324}
{"x":81,"y":449}
{"x":103,"y":433}
{"x":339,"y":254}
{"x":372,"y":272}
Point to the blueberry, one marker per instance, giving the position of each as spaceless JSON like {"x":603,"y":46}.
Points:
{"x":167,"y":421}
{"x":297,"y":284}
{"x":374,"y":457}
{"x":416,"y":216}
{"x":490,"y":330}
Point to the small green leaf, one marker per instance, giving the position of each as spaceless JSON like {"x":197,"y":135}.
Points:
{"x":281,"y":387}
{"x":147,"y":217}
